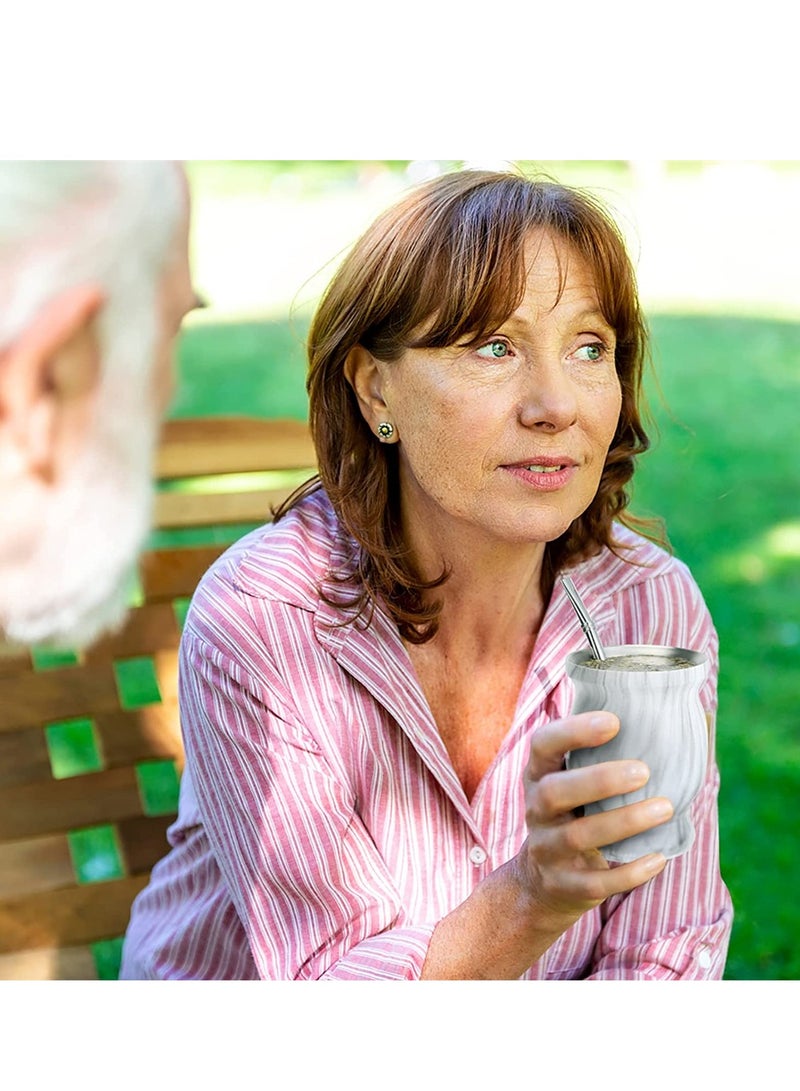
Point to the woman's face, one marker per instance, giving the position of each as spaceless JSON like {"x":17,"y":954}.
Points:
{"x":506,"y":442}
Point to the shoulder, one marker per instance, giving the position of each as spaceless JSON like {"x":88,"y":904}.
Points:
{"x":254,"y":616}
{"x":645,"y":594}
{"x":284,"y":561}
{"x":269,"y":581}
{"x":634,"y":561}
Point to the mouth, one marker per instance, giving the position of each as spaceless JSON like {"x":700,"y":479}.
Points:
{"x":545,"y":468}
{"x":546,"y":465}
{"x":545,"y":473}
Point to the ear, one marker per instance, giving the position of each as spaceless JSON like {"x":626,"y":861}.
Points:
{"x":365,"y":375}
{"x":52,"y":367}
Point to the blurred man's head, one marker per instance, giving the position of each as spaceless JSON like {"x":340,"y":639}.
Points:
{"x":94,"y":283}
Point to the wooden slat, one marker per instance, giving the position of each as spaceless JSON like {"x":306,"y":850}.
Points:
{"x":167,"y":574}
{"x":68,"y":917}
{"x":147,"y":629}
{"x":140,"y":734}
{"x":14,"y":662}
{"x":34,"y":810}
{"x":46,"y":696}
{"x":186,"y":509}
{"x":165,"y":664}
{"x":144,"y":841}
{"x":221,"y":445}
{"x":45,"y":917}
{"x":40,"y":863}
{"x":23,"y":757}
{"x":49,"y":964}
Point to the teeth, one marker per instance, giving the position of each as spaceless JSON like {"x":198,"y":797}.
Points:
{"x":544,"y":469}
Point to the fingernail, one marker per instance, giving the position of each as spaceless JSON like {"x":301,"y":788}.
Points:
{"x":602,"y":721}
{"x":637,"y":772}
{"x":660,"y":808}
{"x":654,"y":862}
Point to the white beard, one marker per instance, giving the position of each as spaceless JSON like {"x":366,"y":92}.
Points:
{"x":75,"y":583}
{"x":78,"y":582}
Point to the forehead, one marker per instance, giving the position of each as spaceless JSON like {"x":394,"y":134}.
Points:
{"x":557,"y":275}
{"x":551,"y":259}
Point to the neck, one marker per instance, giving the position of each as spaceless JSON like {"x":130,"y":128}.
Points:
{"x":493,"y":600}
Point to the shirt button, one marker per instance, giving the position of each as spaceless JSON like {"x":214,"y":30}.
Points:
{"x":704,"y":958}
{"x":477,"y":855}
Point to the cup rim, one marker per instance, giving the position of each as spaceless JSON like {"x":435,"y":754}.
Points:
{"x":575,"y":661}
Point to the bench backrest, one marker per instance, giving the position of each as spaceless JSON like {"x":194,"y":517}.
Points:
{"x":90,"y":748}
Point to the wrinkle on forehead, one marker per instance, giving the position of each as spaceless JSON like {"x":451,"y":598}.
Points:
{"x":568,"y":259}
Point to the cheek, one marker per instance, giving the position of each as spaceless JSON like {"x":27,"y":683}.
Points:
{"x":418,"y":414}
{"x":441,"y":450}
{"x":606,"y":412}
{"x":613,"y":417}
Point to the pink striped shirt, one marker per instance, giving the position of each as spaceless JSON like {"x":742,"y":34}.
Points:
{"x":323,"y":832}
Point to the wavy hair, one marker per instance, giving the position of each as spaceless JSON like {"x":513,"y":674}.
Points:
{"x":448,"y":259}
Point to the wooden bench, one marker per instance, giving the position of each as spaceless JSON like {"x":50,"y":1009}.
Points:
{"x":90,"y":749}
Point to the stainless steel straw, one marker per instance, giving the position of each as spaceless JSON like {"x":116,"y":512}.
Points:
{"x":584,"y":618}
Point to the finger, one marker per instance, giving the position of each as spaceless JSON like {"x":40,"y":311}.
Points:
{"x":560,"y":793}
{"x":591,"y":833}
{"x":591,"y":886}
{"x":551,"y":742}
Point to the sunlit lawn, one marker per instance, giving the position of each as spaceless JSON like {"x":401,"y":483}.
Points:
{"x":728,"y":482}
{"x":724,"y":474}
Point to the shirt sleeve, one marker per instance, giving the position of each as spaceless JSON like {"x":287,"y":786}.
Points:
{"x":308,"y":883}
{"x":677,"y":925}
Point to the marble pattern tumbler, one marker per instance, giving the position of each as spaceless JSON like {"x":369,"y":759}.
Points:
{"x":662,"y":723}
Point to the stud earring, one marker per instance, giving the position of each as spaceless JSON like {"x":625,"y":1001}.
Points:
{"x":385,"y":430}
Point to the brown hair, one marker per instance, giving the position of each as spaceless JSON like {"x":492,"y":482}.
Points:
{"x":449,"y":259}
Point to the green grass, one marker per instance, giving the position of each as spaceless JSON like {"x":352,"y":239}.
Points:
{"x":246,"y":367}
{"x":724,"y":474}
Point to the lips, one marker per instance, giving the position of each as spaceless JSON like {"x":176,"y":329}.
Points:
{"x":543,"y":463}
{"x":544,"y":473}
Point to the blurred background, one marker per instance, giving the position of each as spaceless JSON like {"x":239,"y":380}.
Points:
{"x":716,"y":247}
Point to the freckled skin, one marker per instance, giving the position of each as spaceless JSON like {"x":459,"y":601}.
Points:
{"x":540,"y":387}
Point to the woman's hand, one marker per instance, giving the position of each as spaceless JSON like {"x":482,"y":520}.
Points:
{"x":560,"y":864}
{"x":519,"y":910}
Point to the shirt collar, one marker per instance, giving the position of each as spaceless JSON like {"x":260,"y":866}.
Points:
{"x":372,"y":651}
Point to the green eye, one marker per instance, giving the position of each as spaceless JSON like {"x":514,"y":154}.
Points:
{"x":495,"y":350}
{"x":593,"y":352}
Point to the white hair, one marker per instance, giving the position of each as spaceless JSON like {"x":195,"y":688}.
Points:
{"x":71,"y":222}
{"x":114,"y":224}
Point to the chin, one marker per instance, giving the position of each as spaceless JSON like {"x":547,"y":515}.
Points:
{"x":527,"y":531}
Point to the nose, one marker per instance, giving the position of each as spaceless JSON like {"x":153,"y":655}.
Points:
{"x":549,"y":401}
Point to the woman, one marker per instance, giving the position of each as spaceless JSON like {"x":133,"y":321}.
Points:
{"x":373,"y":693}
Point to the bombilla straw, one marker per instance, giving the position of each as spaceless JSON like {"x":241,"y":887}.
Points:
{"x":584,"y":618}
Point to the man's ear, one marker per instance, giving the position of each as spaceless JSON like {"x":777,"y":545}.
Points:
{"x":51,"y":366}
{"x":365,"y":376}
